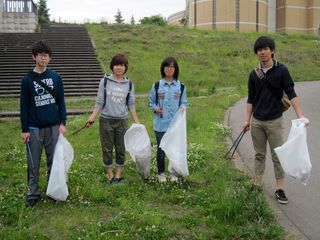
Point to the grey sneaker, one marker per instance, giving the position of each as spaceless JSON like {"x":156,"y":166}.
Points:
{"x":162,"y":178}
{"x":173,"y":178}
{"x":281,"y":196}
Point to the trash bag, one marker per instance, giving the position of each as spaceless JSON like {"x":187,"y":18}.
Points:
{"x":62,"y":160}
{"x":137,"y":143}
{"x":294,"y":154}
{"x":174,"y":144}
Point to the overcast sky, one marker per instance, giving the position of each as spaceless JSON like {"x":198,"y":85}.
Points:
{"x":80,"y":11}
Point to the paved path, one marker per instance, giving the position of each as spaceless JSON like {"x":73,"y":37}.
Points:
{"x":302,"y":214}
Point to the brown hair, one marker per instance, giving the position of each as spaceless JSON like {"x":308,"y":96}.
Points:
{"x":119,"y":59}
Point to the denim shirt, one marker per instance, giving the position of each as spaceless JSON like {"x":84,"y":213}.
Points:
{"x":168,"y":100}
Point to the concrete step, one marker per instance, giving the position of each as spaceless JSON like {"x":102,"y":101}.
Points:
{"x":70,"y":112}
{"x":65,"y":75}
{"x":68,"y":88}
{"x":56,"y":65}
{"x":67,"y":68}
{"x":67,"y":94}
{"x":67,"y":85}
{"x":74,"y":59}
{"x":71,"y":77}
{"x":56,"y":58}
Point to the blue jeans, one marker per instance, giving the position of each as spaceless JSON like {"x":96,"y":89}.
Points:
{"x":160,"y":153}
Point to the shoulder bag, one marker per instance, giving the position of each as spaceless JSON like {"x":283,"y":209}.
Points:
{"x":284,"y":100}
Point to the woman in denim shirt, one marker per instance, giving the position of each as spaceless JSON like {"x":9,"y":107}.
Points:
{"x":167,"y":96}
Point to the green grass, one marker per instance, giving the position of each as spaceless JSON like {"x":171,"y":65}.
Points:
{"x":207,"y":59}
{"x":214,"y":202}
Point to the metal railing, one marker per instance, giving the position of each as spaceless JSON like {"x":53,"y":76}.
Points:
{"x":19,"y":6}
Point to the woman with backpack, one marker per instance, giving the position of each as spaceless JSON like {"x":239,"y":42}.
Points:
{"x":114,"y":99}
{"x":167,"y":96}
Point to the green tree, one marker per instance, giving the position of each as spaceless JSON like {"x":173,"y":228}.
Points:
{"x":183,"y":21}
{"x":132,"y":21}
{"x":154,"y":20}
{"x":43,"y":12}
{"x":118,"y":17}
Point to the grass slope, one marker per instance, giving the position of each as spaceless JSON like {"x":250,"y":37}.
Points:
{"x":207,"y":59}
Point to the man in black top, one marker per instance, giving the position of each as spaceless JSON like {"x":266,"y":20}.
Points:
{"x":265,"y":109}
{"x":42,"y":114}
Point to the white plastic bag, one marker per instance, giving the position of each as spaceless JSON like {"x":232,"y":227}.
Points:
{"x":62,"y":160}
{"x":294,"y":154}
{"x":174,"y":144}
{"x":137,"y":143}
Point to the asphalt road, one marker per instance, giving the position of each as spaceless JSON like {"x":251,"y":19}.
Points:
{"x":302,"y":214}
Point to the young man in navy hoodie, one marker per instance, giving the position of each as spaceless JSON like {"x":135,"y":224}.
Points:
{"x":266,"y":86}
{"x":42,"y":115}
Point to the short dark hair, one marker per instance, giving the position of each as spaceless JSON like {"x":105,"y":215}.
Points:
{"x":263,"y":42}
{"x":167,"y":62}
{"x":119,"y":59}
{"x":41,"y":46}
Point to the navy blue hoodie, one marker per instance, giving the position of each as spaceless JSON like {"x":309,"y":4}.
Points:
{"x":38,"y":108}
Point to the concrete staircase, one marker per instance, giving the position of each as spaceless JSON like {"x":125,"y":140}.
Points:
{"x":73,"y":57}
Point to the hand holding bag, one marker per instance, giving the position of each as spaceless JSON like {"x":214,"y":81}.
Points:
{"x":174,"y":144}
{"x":137,"y":143}
{"x":293,"y":154}
{"x":62,"y":160}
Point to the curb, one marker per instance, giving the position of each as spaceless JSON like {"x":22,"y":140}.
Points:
{"x":16,"y":114}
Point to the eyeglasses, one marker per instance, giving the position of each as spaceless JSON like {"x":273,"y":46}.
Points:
{"x":171,"y":66}
{"x":43,"y":55}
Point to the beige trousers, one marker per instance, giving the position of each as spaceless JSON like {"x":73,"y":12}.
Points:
{"x":262,"y":132}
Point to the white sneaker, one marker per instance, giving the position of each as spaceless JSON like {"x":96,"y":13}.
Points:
{"x":174,"y":178}
{"x":162,"y":178}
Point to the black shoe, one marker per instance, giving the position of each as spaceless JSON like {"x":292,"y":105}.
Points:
{"x":118,"y":180}
{"x":31,"y":202}
{"x":281,"y":196}
{"x":110,"y":180}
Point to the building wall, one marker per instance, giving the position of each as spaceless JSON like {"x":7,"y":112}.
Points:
{"x":200,"y":14}
{"x":314,"y":18}
{"x":1,"y":15}
{"x":272,"y":15}
{"x":287,"y":16}
{"x":176,"y":18}
{"x":300,"y":17}
{"x":19,"y":22}
{"x":227,"y":15}
{"x":313,"y":15}
{"x":253,"y":16}
{"x":22,"y":18}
